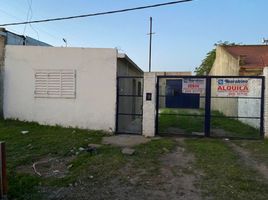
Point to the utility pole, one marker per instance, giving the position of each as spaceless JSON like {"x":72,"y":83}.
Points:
{"x":3,"y":172}
{"x":150,"y":44}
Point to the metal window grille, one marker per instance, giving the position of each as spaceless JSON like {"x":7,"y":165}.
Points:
{"x":55,"y":84}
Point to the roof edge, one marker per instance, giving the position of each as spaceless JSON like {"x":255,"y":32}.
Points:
{"x":226,"y":51}
{"x":125,"y":56}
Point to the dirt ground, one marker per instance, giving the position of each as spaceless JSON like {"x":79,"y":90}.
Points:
{"x":176,"y":180}
{"x":248,"y":159}
{"x":172,"y":177}
{"x":48,"y":167}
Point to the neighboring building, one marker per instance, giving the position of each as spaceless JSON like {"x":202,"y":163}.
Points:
{"x":9,"y":38}
{"x":174,"y":73}
{"x":71,"y":87}
{"x":240,"y":60}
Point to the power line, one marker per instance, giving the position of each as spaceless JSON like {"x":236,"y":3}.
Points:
{"x":96,"y":14}
{"x":30,"y":3}
{"x":56,"y":37}
{"x":29,"y":14}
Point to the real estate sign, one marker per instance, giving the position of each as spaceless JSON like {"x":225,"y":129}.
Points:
{"x":193,"y":85}
{"x":233,"y":87}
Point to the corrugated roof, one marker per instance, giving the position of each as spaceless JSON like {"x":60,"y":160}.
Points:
{"x":250,"y":56}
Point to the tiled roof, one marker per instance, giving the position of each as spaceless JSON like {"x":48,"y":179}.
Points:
{"x":250,"y":56}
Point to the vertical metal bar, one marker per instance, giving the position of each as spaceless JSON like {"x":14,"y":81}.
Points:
{"x":262,"y":107}
{"x":117,"y":104}
{"x":157,"y":106}
{"x":150,"y":44}
{"x":142,"y":79}
{"x":3,"y":192}
{"x":208,"y":107}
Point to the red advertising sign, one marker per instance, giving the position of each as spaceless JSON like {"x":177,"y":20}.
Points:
{"x":232,"y":87}
{"x":193,"y":85}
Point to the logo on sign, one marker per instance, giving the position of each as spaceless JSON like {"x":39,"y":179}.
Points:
{"x":220,"y":82}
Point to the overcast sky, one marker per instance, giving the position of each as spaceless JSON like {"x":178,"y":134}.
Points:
{"x":184,"y":32}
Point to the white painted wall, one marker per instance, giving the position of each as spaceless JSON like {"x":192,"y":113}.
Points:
{"x":251,"y":107}
{"x":95,"y":104}
{"x":149,"y":112}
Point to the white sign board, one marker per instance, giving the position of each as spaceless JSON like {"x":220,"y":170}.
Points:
{"x":193,"y":85}
{"x":232,"y":87}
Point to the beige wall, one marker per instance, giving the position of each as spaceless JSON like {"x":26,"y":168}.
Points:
{"x":94,"y":106}
{"x":125,"y":68}
{"x":224,"y":65}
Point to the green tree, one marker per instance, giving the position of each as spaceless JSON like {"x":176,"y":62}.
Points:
{"x":207,"y":63}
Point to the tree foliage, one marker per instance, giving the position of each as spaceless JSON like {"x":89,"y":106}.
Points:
{"x":208,"y":61}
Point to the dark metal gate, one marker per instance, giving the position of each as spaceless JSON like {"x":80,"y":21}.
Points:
{"x":216,"y":106}
{"x":129,"y":104}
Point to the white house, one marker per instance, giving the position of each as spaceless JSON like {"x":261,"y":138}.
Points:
{"x":70,"y":87}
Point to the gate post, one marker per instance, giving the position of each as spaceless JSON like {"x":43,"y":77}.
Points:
{"x":208,"y":106}
{"x":149,"y":104}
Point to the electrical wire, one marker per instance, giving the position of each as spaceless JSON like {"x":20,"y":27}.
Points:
{"x":29,"y":14}
{"x":96,"y":14}
{"x":56,"y":37}
{"x":30,"y":3}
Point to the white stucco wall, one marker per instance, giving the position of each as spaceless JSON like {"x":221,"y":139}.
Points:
{"x":149,"y":112}
{"x":95,"y":104}
{"x":251,"y":107}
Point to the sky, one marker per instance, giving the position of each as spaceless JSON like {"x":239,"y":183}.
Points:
{"x":184,"y":33}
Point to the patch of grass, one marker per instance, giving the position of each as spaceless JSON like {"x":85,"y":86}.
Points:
{"x":188,"y":123}
{"x":147,"y":155}
{"x":232,"y":127}
{"x":99,"y":167}
{"x":57,"y":142}
{"x":225,"y":177}
{"x":257,"y":148}
{"x":23,"y":187}
{"x":41,"y":141}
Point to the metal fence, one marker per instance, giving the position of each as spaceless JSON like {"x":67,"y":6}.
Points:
{"x":129,"y":104}
{"x":216,"y":106}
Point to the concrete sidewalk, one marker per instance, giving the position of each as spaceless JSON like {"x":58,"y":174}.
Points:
{"x":125,"y":140}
